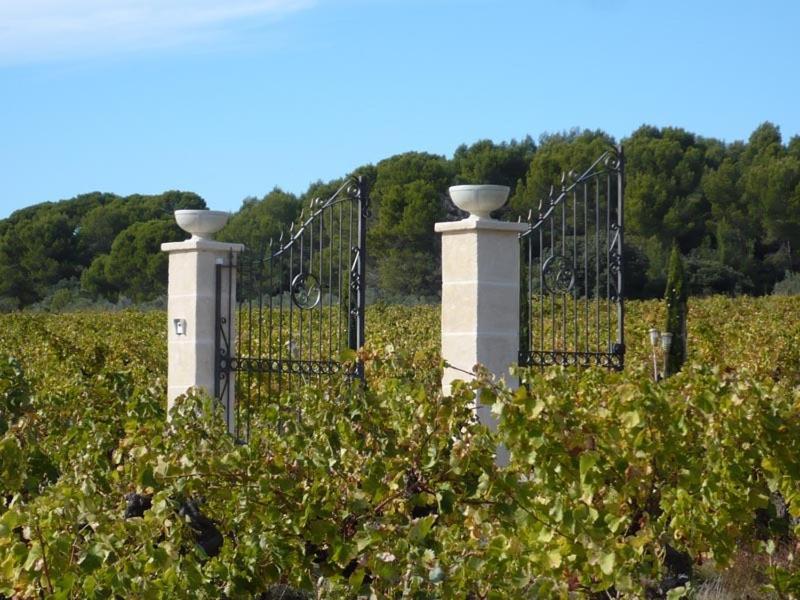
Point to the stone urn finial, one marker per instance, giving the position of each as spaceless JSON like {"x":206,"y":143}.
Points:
{"x":479,"y":200}
{"x":202,"y":224}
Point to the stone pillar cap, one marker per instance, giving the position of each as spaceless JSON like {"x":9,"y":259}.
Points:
{"x":473,"y":224}
{"x":201,"y":245}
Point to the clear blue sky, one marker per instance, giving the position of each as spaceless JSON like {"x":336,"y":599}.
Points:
{"x":229,"y":99}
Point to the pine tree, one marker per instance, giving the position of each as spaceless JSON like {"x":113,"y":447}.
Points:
{"x":676,"y":297}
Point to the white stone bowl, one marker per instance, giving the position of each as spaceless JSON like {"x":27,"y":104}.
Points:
{"x":479,"y":200}
{"x":202,"y":224}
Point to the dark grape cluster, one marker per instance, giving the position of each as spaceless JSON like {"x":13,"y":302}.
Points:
{"x":207,"y":536}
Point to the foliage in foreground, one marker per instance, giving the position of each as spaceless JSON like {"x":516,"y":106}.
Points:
{"x":393,"y":491}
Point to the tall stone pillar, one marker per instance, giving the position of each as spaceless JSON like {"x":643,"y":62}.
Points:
{"x":480,"y":297}
{"x":480,"y":301}
{"x":192,"y":310}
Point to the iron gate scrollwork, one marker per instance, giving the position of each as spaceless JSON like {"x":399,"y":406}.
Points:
{"x":298,"y":303}
{"x":572,"y":308}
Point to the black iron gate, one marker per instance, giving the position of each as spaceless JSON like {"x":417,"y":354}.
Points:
{"x":298,"y":303}
{"x":572,"y":306}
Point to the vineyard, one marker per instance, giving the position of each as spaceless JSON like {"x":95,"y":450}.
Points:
{"x":617,"y":486}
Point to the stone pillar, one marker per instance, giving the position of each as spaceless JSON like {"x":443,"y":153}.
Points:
{"x":191,"y":315}
{"x":480,"y":300}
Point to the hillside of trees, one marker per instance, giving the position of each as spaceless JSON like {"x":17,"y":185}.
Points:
{"x":733,"y":209}
{"x":98,"y":246}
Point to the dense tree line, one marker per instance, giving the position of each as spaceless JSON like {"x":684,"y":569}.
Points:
{"x":105,"y":245}
{"x":733,"y":209}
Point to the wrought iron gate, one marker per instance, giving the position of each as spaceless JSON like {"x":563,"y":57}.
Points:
{"x":298,"y":303}
{"x":572,"y":303}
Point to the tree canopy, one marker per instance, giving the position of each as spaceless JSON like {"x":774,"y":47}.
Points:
{"x":731,"y":209}
{"x":44,"y":245}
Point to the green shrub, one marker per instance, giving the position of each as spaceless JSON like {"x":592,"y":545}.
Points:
{"x":676,"y":296}
{"x":707,"y":277}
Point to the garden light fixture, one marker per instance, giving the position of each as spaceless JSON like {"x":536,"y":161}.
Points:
{"x":654,"y":337}
{"x":666,"y":344}
{"x":666,"y":341}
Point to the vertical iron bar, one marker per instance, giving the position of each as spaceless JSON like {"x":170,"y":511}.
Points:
{"x":522,"y":326}
{"x":620,"y":240}
{"x":217,"y":328}
{"x":529,"y":297}
{"x":320,"y":306}
{"x":586,"y":265}
{"x":608,"y":261}
{"x":237,"y":280}
{"x":340,"y":298}
{"x":330,"y":284}
{"x":232,"y":344}
{"x":350,"y":325}
{"x":291,"y":312}
{"x":564,"y":257}
{"x":597,"y":259}
{"x":363,"y":201}
{"x":270,"y":348}
{"x":541,"y":292}
{"x":261,"y":374}
{"x":551,"y":293}
{"x":281,"y":267}
{"x":250,"y":372}
{"x":307,"y":270}
{"x":575,"y":270}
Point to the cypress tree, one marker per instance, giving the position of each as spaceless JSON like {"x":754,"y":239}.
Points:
{"x":676,"y":298}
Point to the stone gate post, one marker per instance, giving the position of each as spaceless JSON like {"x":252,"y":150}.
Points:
{"x":480,"y":291}
{"x":192,"y":304}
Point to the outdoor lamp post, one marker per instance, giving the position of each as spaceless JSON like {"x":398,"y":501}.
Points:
{"x":664,"y":339}
{"x":666,"y":343}
{"x":654,"y":337}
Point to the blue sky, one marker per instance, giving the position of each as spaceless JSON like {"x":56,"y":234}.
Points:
{"x":229,"y":99}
